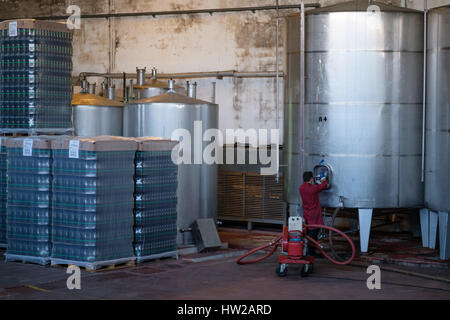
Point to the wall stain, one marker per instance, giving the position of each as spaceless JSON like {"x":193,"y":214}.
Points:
{"x":252,"y":32}
{"x":183,"y":23}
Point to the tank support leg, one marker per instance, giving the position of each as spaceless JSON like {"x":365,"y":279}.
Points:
{"x":365,"y":220}
{"x":433,"y":229}
{"x":428,"y":225}
{"x":444,"y":235}
{"x":425,"y":226}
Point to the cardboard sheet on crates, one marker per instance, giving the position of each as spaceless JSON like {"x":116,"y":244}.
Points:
{"x":102,"y":143}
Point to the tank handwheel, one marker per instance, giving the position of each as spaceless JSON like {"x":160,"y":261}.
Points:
{"x":282,"y":270}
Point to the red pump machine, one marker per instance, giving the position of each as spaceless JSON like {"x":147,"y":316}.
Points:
{"x":294,"y":242}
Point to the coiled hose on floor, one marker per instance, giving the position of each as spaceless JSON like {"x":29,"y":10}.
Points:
{"x":277,"y":242}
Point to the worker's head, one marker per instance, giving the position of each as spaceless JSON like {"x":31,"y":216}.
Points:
{"x":307,"y":176}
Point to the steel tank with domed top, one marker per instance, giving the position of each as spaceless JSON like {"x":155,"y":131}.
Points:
{"x":362,"y":112}
{"x":96,"y":116}
{"x":160,"y":116}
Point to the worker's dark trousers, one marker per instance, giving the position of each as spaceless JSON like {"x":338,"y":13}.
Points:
{"x":313,"y":233}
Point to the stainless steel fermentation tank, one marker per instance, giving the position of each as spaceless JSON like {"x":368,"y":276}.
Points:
{"x":437,"y":160}
{"x":160,"y":116}
{"x":95,"y":116}
{"x":362,"y":110}
{"x":363,"y":105}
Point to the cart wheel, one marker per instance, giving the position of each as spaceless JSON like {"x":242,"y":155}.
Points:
{"x":304,"y":270}
{"x":282,"y":270}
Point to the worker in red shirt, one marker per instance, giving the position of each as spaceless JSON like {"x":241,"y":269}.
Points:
{"x":312,"y":211}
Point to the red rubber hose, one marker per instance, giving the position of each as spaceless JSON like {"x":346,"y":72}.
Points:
{"x":352,"y":245}
{"x":276,"y":242}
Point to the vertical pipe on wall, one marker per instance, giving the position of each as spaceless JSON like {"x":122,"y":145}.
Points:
{"x":425,"y":5}
{"x":302,"y":80}
{"x":112,"y":37}
{"x":277,"y":103}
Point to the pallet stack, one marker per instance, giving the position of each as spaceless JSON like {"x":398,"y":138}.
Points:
{"x":35,"y":76}
{"x":93,"y":201}
{"x":3,"y":193}
{"x":29,"y":199}
{"x":35,"y":98}
{"x":155,"y":210}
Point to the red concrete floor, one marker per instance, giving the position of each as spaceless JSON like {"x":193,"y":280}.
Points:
{"x":217,"y":279}
{"x":384,"y":247}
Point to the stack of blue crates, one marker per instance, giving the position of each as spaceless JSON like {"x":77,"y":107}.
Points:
{"x":29,"y":199}
{"x":155,"y":209}
{"x":35,"y":75}
{"x":3,"y":193}
{"x":93,"y":201}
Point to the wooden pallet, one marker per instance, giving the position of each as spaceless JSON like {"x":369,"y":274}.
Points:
{"x":11,"y":133}
{"x":158,"y":256}
{"x":97,"y":267}
{"x":26,"y":259}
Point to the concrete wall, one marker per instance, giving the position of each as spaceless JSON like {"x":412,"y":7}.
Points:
{"x":241,"y":41}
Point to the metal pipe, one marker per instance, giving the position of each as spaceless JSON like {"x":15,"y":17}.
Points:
{"x":104,"y":89}
{"x":154,"y":73}
{"x":302,"y":79}
{"x":131,"y":91}
{"x":168,"y":13}
{"x":213,"y":98}
{"x":277,"y":79}
{"x":124,"y":77}
{"x":189,"y":75}
{"x":424,"y":94}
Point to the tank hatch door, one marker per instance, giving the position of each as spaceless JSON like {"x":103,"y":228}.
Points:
{"x":323,"y":170}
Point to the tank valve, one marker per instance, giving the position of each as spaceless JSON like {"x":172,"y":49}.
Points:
{"x":192,"y":90}
{"x":84,"y":86}
{"x":111,"y":92}
{"x":172,"y":85}
{"x":91,"y":88}
{"x":341,"y":201}
{"x":140,"y":76}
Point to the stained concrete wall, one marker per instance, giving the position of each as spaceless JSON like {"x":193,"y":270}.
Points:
{"x":241,"y":41}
